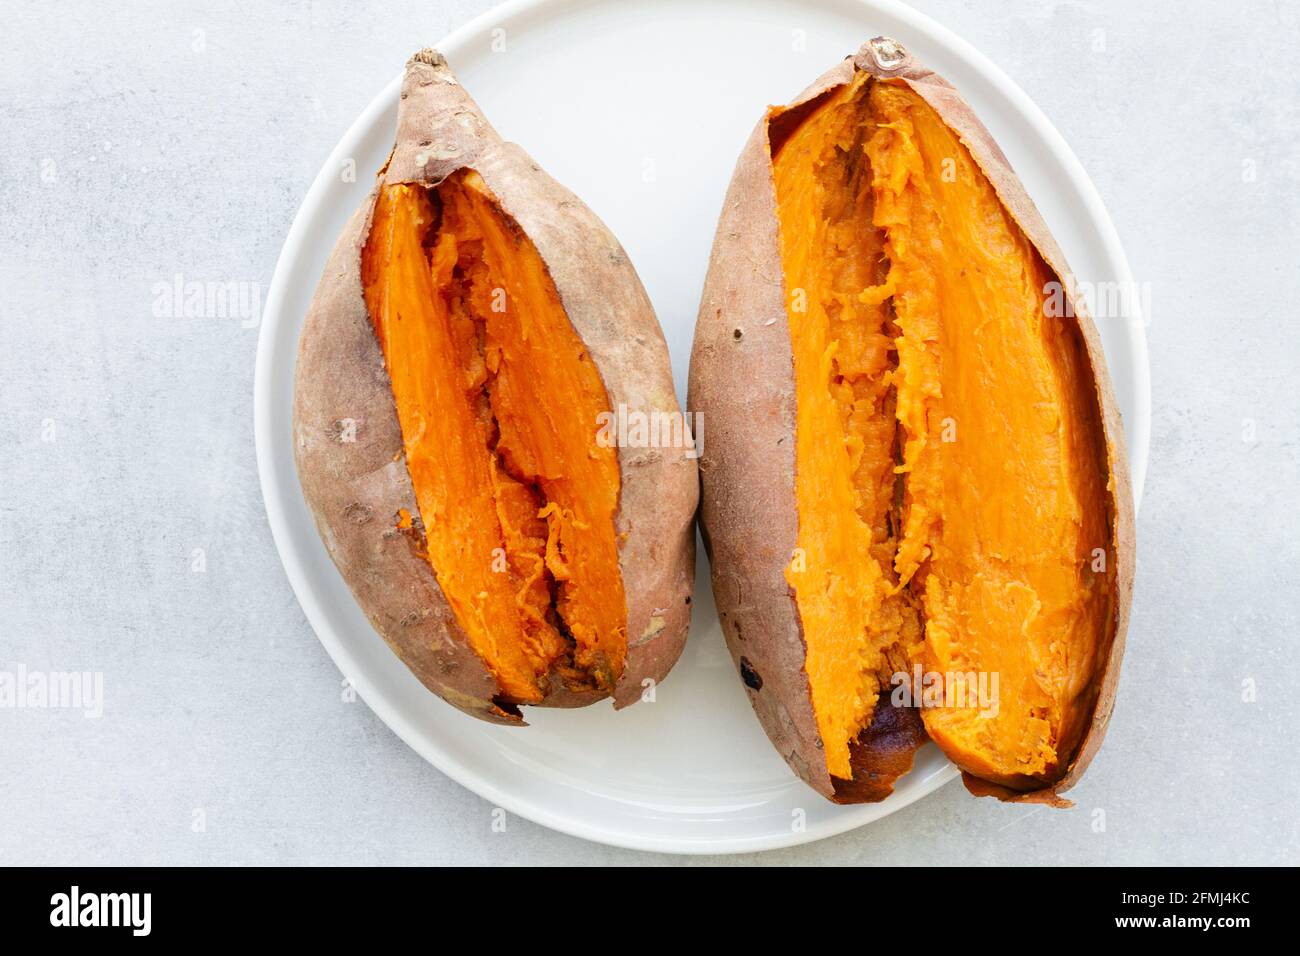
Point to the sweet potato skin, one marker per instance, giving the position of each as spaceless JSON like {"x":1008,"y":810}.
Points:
{"x":742,"y":382}
{"x":348,"y":443}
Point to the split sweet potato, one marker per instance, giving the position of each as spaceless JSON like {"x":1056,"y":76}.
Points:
{"x":474,"y":331}
{"x":916,"y":466}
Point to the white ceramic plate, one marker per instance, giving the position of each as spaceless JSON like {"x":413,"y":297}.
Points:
{"x":641,"y":108}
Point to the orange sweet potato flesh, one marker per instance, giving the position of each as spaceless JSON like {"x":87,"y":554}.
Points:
{"x":951,"y":475}
{"x":499,"y":405}
{"x":849,"y":601}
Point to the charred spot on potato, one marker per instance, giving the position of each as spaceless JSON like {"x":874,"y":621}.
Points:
{"x":950,"y":461}
{"x":499,"y":413}
{"x":749,"y":675}
{"x":507,"y":708}
{"x":881,"y":753}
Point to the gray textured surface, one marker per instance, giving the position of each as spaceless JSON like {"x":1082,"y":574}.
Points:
{"x":180,"y":138}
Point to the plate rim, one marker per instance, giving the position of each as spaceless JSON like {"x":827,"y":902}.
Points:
{"x":1136,"y":435}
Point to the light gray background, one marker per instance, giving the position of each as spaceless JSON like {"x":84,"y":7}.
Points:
{"x":180,"y":137}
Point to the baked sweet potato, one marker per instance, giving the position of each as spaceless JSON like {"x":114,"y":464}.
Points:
{"x":915,"y":489}
{"x":475,"y":333}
